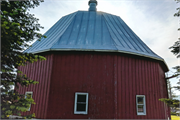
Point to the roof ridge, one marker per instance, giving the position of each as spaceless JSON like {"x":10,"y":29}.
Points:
{"x":109,"y":31}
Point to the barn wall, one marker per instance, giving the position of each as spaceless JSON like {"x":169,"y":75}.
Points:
{"x":140,"y":77}
{"x":112,"y":81}
{"x":90,"y":73}
{"x":164,"y":94}
{"x":39,"y":71}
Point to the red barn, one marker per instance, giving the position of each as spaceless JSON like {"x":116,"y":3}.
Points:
{"x":96,"y":67}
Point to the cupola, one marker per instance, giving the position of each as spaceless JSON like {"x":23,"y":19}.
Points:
{"x":92,"y":5}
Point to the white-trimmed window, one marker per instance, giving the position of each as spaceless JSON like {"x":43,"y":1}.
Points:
{"x":81,"y":103}
{"x":29,"y":96}
{"x":141,"y":104}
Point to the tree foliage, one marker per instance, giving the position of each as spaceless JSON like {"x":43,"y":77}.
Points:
{"x":177,"y":68}
{"x":171,"y":102}
{"x":177,"y":14}
{"x":18,"y":29}
{"x":175,"y":49}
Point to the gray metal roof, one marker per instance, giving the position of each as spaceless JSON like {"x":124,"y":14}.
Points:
{"x":92,"y":31}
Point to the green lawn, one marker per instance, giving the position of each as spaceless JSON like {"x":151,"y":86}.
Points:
{"x":173,"y":117}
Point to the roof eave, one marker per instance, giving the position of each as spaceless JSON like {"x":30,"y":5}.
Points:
{"x":166,"y":69}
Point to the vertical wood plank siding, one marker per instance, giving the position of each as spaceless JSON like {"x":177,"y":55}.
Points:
{"x":112,"y":81}
{"x":39,"y":71}
{"x":141,"y":80}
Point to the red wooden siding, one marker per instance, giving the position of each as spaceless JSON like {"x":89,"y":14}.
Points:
{"x":140,"y":77}
{"x":112,"y":81}
{"x":39,"y":71}
{"x":82,"y":73}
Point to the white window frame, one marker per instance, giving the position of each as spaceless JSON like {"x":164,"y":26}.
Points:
{"x":75,"y":103}
{"x":144,"y":104}
{"x":29,"y":92}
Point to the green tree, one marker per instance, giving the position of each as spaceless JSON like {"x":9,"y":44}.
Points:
{"x":175,"y":49}
{"x":177,"y":68}
{"x":18,"y":29}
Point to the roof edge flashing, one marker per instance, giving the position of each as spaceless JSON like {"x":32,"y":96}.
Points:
{"x":117,"y":51}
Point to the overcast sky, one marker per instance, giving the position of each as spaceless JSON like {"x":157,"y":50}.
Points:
{"x":151,"y":20}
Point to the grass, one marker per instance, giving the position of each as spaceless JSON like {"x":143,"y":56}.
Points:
{"x":173,"y":117}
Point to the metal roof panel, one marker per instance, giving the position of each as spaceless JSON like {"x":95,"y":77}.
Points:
{"x":52,"y":35}
{"x":93,"y":31}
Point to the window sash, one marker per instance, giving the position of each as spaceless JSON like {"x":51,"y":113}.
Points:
{"x":138,"y":108}
{"x":76,"y":103}
{"x":81,"y":102}
{"x":143,"y":105}
{"x":29,"y":92}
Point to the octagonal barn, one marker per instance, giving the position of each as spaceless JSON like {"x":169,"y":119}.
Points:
{"x":96,"y":67}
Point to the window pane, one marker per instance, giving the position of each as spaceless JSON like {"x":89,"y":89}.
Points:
{"x":140,"y":100}
{"x":29,"y":95}
{"x":81,"y":98}
{"x":140,"y":108}
{"x":81,"y":107}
